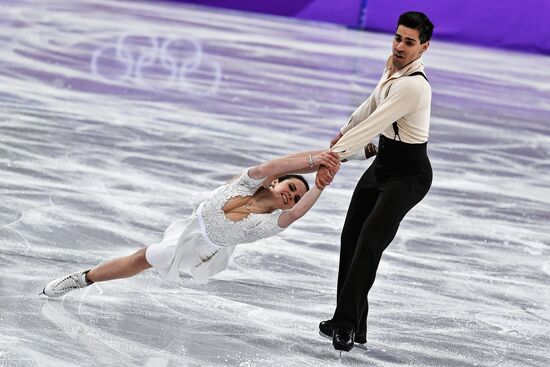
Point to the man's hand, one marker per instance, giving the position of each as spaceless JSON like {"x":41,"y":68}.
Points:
{"x":335,"y":139}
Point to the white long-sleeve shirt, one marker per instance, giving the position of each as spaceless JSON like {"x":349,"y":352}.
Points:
{"x":399,"y":97}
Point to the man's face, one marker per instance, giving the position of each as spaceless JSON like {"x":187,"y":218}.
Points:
{"x":406,"y":46}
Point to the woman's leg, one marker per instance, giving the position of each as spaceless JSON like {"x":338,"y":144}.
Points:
{"x":123,"y":267}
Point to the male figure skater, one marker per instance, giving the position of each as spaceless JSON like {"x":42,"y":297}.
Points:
{"x":399,"y":110}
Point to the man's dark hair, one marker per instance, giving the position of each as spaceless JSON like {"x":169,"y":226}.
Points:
{"x":418,"y":21}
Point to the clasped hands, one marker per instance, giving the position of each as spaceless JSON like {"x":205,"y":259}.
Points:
{"x":326,"y":173}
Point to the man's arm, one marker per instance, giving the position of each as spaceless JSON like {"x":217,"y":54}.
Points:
{"x":360,"y":114}
{"x":403,"y":98}
{"x":325,"y":175}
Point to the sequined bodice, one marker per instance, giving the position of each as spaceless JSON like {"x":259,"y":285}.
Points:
{"x":226,"y":232}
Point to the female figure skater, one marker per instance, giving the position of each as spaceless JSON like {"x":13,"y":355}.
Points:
{"x":261,"y":202}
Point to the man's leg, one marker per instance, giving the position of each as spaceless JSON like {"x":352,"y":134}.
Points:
{"x":361,"y":330}
{"x":395,"y":200}
{"x":362,"y":202}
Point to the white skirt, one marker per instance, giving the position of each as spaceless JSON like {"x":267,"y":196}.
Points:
{"x":186,"y":247}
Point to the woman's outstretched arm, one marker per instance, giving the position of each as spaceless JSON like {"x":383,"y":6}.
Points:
{"x":305,"y":162}
{"x":304,"y":205}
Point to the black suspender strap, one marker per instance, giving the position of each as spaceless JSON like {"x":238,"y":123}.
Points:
{"x":395,"y":127}
{"x":396,"y":131}
{"x":420,"y":73}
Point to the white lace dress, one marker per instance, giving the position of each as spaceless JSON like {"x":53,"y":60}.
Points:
{"x":202,"y":244}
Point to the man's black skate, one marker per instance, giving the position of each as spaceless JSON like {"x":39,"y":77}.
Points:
{"x":343,"y":339}
{"x":326,"y":330}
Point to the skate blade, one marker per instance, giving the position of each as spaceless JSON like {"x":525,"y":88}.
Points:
{"x":361,"y":346}
{"x":325,"y":335}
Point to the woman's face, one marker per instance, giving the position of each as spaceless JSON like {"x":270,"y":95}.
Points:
{"x":288,"y":192}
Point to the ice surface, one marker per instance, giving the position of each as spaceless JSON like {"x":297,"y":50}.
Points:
{"x":113,"y":113}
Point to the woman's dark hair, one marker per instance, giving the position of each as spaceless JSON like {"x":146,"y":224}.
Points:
{"x":418,"y":21}
{"x":299,"y":177}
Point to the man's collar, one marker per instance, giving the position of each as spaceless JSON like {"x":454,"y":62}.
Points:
{"x":416,"y":65}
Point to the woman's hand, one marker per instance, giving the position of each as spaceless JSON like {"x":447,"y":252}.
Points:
{"x":324,"y":177}
{"x":328,"y":159}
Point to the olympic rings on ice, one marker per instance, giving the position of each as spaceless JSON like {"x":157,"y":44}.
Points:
{"x":158,"y":63}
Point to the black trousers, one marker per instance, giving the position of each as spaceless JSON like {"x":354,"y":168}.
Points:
{"x":397,"y":180}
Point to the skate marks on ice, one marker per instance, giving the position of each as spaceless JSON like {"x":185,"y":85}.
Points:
{"x":94,"y":329}
{"x":239,"y":322}
{"x":111,"y":117}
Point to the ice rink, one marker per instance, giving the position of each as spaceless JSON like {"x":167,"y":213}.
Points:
{"x":112,"y":114}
